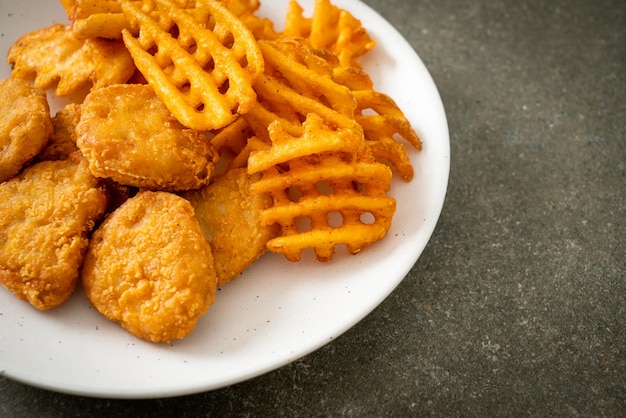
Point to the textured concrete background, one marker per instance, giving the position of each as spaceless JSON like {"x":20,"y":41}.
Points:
{"x":518,"y":304}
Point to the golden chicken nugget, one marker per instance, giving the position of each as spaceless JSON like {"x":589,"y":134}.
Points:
{"x":46,"y":214}
{"x":230,"y":218}
{"x":129,"y":135}
{"x":150,"y":268}
{"x":25,"y":125}
{"x":63,"y":140}
{"x":203,"y":71}
{"x":54,"y":56}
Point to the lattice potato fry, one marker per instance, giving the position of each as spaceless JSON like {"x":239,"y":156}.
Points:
{"x":353,"y":234}
{"x":388,"y":120}
{"x":306,"y":72}
{"x":296,"y":83}
{"x":204,"y":75}
{"x":316,"y":138}
{"x":330,"y":28}
{"x":383,"y":129}
{"x":55,"y":56}
{"x":384,"y":124}
{"x":338,"y":212}
{"x":97,"y":19}
{"x":105,"y":19}
{"x":241,"y":7}
{"x":329,"y":178}
{"x":234,"y":143}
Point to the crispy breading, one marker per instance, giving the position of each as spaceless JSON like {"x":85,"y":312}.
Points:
{"x":25,"y":125}
{"x":55,"y":57}
{"x":63,"y":140}
{"x":128,"y":134}
{"x":150,"y":268}
{"x":230,"y":218}
{"x":46,"y":213}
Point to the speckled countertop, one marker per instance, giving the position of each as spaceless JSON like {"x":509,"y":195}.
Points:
{"x":518,"y":304}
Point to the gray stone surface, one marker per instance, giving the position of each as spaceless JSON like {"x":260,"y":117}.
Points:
{"x":518,"y":304}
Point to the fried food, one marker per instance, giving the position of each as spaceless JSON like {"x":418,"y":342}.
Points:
{"x":297,"y":82}
{"x":326,"y":186}
{"x":25,"y":125}
{"x":68,"y":5}
{"x":241,"y":7}
{"x":92,"y":19}
{"x":233,"y":143}
{"x":203,"y":71}
{"x":230,"y":218}
{"x":261,"y":28}
{"x":104,"y":18}
{"x":149,"y":267}
{"x":45,"y":217}
{"x":306,"y":147}
{"x":330,"y":28}
{"x":384,"y":125}
{"x":63,"y":140}
{"x":128,"y":135}
{"x":54,"y":56}
{"x":327,"y":190}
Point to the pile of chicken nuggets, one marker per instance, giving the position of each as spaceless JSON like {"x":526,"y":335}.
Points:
{"x":198,"y":137}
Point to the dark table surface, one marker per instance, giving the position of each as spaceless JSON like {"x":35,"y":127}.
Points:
{"x":518,"y":304}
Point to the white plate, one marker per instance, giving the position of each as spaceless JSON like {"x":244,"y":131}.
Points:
{"x":277,"y":311}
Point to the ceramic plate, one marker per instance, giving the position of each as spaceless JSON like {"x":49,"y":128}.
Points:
{"x":277,"y":311}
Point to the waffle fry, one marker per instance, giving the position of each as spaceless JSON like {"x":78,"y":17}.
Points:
{"x":330,"y":28}
{"x":326,"y":189}
{"x":54,"y":56}
{"x":313,"y":141}
{"x":384,"y":124}
{"x":105,"y":19}
{"x":91,"y":19}
{"x":241,"y":7}
{"x":202,"y":72}
{"x":297,"y":82}
{"x":68,"y":5}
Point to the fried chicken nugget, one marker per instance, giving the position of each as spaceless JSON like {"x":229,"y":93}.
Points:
{"x":130,"y":136}
{"x":230,"y":217}
{"x":149,"y":267}
{"x":25,"y":125}
{"x":46,"y":214}
{"x":63,"y":140}
{"x":55,"y":57}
